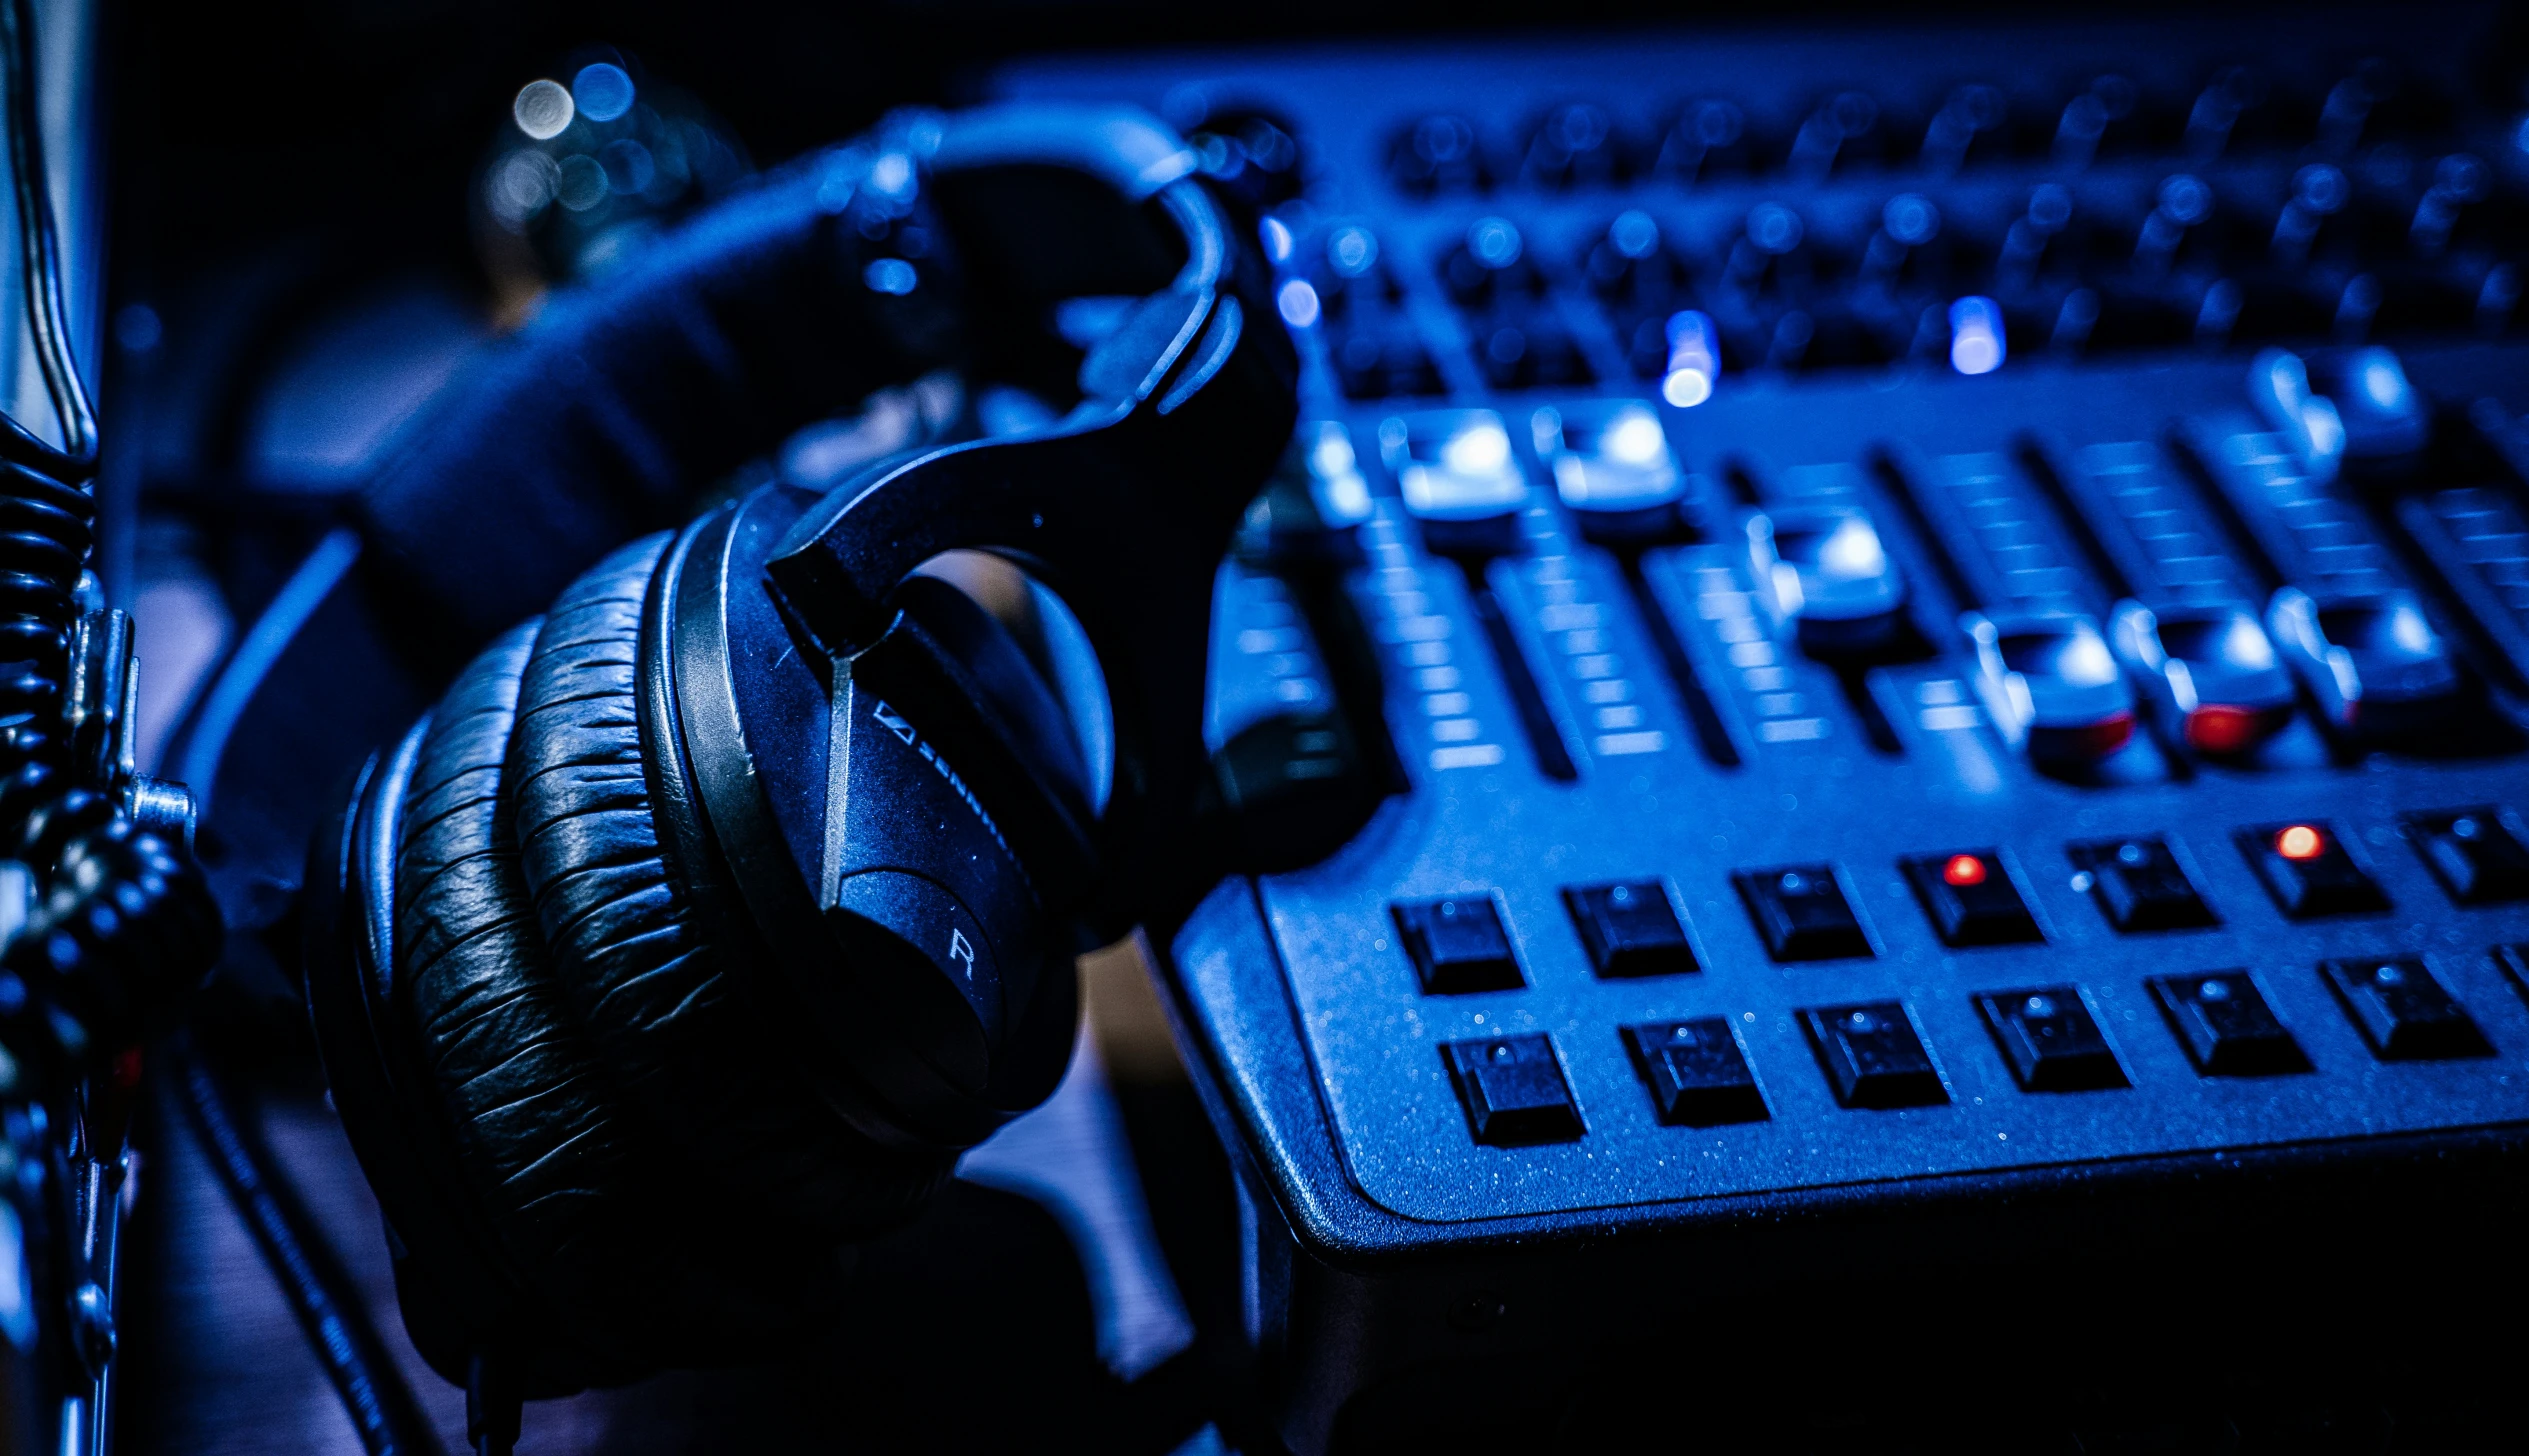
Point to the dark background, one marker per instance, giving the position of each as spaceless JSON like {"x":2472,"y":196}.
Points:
{"x":347,"y":133}
{"x":276,"y":166}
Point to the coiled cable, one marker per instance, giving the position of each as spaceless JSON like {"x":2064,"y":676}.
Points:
{"x":105,"y":922}
{"x":46,"y":535}
{"x":47,"y":511}
{"x":118,"y":926}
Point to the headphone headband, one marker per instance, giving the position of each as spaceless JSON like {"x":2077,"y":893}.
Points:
{"x":865,"y":840}
{"x":601,"y":419}
{"x":1123,"y":509}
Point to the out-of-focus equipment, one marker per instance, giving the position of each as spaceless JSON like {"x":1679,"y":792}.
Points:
{"x":1936,"y":618}
{"x":589,"y":172}
{"x":1875,"y":730}
{"x":105,"y":925}
{"x":711,"y":914}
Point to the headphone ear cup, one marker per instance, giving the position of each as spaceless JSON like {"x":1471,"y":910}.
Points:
{"x":445,"y":1277}
{"x":661,"y":1000}
{"x":620,"y":1261}
{"x":508,"y":1080}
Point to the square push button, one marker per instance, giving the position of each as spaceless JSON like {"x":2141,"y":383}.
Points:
{"x":1630,"y":929}
{"x":2402,"y":1011}
{"x":1802,"y":914}
{"x":2476,"y":858}
{"x":2307,"y":870}
{"x":1458,"y":945}
{"x":2226,"y":1026}
{"x":2140,"y":885}
{"x":1513,"y":1089}
{"x":2050,"y":1040}
{"x":1970,"y":898}
{"x":1872,"y":1055}
{"x":1697,"y":1074}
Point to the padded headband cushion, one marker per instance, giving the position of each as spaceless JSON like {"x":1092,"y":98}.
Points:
{"x":603,"y":417}
{"x":656,"y":993}
{"x":627,"y":397}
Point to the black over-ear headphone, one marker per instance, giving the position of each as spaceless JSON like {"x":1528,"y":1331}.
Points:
{"x":708,"y":917}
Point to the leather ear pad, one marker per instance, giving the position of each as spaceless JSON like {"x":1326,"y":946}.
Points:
{"x":517,"y":1094}
{"x":448,"y":1278}
{"x":658,"y":997}
{"x":623,"y":1263}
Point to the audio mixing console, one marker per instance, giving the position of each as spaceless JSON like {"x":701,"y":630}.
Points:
{"x":1873,"y":643}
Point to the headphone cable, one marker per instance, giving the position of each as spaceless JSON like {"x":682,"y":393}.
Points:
{"x":113,"y":924}
{"x":382,"y":1407}
{"x":40,"y":275}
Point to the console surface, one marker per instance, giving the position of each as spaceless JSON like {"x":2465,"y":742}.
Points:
{"x":1864,"y":618}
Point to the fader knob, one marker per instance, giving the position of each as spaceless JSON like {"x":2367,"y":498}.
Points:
{"x":1773,"y":232}
{"x":2373,"y":663}
{"x":1458,"y":477}
{"x":1250,"y":154}
{"x":1628,"y":261}
{"x":1825,"y":569}
{"x":1709,"y":136}
{"x":1613,"y":469}
{"x":2232,"y":92}
{"x":2182,"y":203}
{"x":2087,"y":119}
{"x":1907,"y":224}
{"x":2211,"y":673}
{"x":2031,"y":234}
{"x":2051,"y":685}
{"x":2319,"y":191}
{"x":1836,"y":130}
{"x":2459,"y":181}
{"x":1970,"y":112}
{"x":1438,"y":154}
{"x":1490,"y":262}
{"x":1574,"y":145}
{"x":1351,"y":274}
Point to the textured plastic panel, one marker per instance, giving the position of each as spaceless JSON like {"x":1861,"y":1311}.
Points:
{"x":1766,"y":755}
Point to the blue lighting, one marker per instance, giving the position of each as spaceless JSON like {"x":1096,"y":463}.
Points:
{"x":603,"y":91}
{"x":1694,"y":359}
{"x":1494,"y":242}
{"x":1976,"y":344}
{"x":542,"y":109}
{"x":1298,"y":302}
{"x":890,"y":276}
{"x":1352,"y":251}
{"x":2382,"y":381}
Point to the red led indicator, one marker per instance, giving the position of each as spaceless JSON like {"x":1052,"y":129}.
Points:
{"x":1963,"y":870}
{"x":2221,"y":729}
{"x":2300,"y":841}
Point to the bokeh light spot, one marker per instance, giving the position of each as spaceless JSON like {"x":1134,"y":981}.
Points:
{"x":542,"y":109}
{"x":892,"y":276}
{"x":603,"y":91}
{"x":1298,"y":302}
